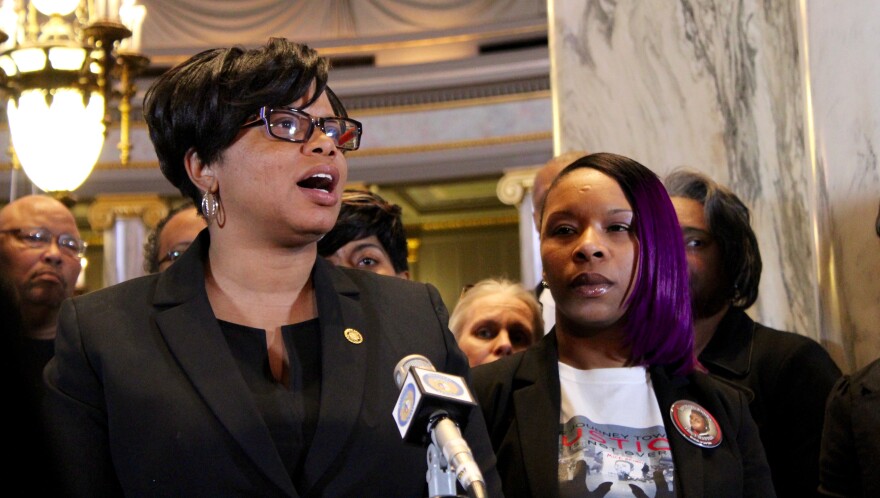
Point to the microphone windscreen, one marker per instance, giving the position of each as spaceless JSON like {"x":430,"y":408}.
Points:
{"x":405,"y":363}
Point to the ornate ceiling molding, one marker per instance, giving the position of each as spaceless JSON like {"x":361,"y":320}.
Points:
{"x":515,"y":184}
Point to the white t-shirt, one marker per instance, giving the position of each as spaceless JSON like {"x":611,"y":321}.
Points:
{"x":611,"y":431}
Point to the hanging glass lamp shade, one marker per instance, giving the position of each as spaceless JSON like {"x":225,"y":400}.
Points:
{"x":59,"y":143}
{"x":60,"y":69}
{"x":57,"y":7}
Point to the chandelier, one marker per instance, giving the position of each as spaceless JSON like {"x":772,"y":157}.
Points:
{"x":64,"y":63}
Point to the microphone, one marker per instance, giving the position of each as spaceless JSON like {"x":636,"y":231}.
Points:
{"x":435,"y":400}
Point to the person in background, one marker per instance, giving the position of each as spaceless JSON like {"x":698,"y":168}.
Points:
{"x":369,"y":235}
{"x":40,"y":252}
{"x":543,"y":178}
{"x":251,"y":366}
{"x":495,"y":318}
{"x":789,"y":375}
{"x":171,"y":237}
{"x":616,"y":373}
{"x":850,"y":451}
{"x":26,"y":443}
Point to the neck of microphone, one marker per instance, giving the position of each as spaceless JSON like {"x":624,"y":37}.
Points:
{"x":445,"y":433}
{"x":446,"y":436}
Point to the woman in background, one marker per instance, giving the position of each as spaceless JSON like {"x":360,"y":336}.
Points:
{"x":495,"y":318}
{"x":614,"y":380}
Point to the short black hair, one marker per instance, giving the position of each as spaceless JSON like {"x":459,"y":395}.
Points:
{"x":363,"y":214}
{"x":151,"y":246}
{"x":201,"y":103}
{"x":730,"y":224}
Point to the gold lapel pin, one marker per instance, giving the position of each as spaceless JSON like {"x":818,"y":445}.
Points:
{"x":353,"y":336}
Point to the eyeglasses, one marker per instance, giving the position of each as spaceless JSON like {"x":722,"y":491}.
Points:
{"x":40,"y":238}
{"x":174,"y":253}
{"x":294,"y":125}
{"x":171,"y":256}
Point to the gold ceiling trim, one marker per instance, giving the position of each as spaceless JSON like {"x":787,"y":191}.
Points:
{"x":431,"y":41}
{"x":136,"y":124}
{"x":107,"y":166}
{"x":367,"y":48}
{"x":452,"y":104}
{"x":130,"y":165}
{"x":459,"y":144}
{"x":482,"y":222}
{"x":374,"y":152}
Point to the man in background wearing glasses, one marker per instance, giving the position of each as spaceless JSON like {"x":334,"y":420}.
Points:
{"x":40,"y":251}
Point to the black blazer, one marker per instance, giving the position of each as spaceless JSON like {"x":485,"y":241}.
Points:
{"x":520,"y":397}
{"x":850,"y":458}
{"x":146,"y":399}
{"x":790,"y":376}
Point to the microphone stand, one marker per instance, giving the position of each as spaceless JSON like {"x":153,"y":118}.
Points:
{"x":441,"y":480}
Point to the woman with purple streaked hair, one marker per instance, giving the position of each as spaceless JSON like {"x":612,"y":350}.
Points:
{"x":616,"y":374}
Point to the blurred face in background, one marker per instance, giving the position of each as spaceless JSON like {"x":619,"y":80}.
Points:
{"x":44,"y":273}
{"x":366,"y":254}
{"x":496,"y":325}
{"x":706,"y":277}
{"x":177,"y":234}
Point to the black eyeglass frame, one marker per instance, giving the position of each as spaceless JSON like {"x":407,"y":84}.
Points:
{"x":172,"y":255}
{"x":24,"y":235}
{"x":314,"y":121}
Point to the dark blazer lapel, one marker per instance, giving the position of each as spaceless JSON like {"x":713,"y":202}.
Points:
{"x":687,"y":456}
{"x":343,"y":366}
{"x":190,"y":329}
{"x":539,"y":374}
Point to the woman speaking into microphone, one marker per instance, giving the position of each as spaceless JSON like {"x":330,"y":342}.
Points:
{"x":250,"y":367}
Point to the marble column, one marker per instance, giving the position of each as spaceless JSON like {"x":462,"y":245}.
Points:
{"x":125,"y":221}
{"x":778,"y":101}
{"x":515,"y":189}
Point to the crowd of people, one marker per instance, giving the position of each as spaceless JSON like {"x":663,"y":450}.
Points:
{"x":248,"y":362}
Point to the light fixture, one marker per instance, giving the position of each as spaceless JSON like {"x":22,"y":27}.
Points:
{"x":65,"y":62}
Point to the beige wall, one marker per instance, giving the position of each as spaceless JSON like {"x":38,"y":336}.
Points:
{"x":450,"y":259}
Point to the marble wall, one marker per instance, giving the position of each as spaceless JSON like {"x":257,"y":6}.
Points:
{"x":778,"y":100}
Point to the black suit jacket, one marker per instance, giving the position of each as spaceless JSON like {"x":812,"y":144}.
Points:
{"x":146,"y":399}
{"x":790,"y":376}
{"x":520,"y":397}
{"x":850,"y":456}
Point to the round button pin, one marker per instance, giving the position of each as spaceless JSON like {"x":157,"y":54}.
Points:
{"x":695,"y":423}
{"x":353,"y":336}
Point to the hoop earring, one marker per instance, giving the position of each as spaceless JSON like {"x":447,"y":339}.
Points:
{"x":210,"y":206}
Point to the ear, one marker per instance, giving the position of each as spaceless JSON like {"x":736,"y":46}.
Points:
{"x":200,"y":173}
